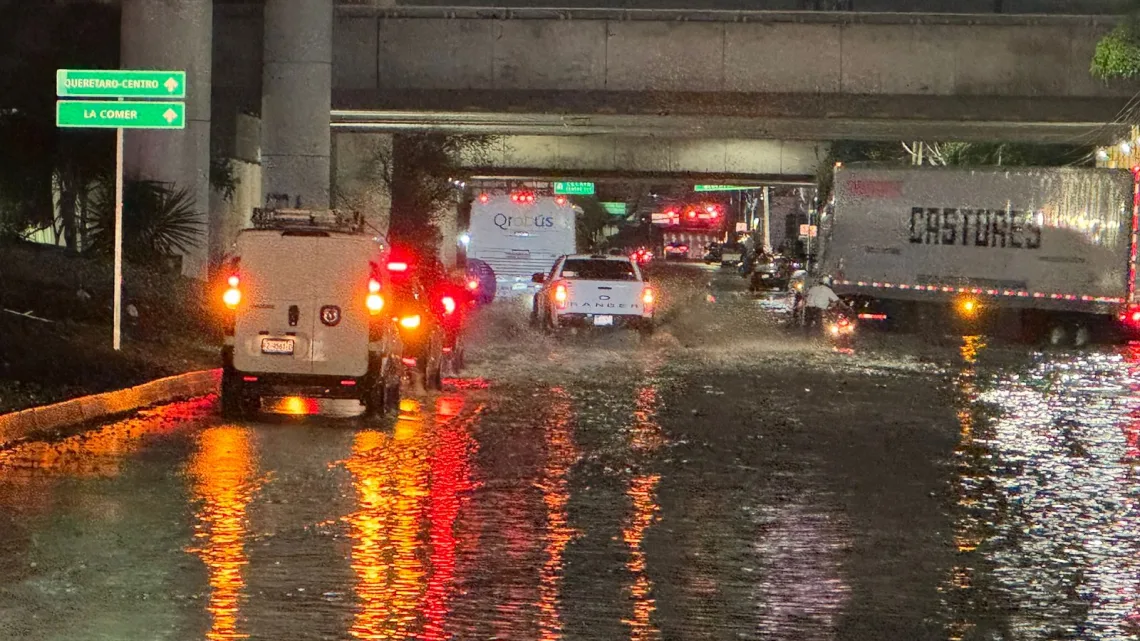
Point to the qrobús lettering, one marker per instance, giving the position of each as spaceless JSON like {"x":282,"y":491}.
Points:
{"x":965,"y":227}
{"x":505,"y":222}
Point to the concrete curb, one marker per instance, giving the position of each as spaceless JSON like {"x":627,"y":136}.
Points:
{"x":23,"y":424}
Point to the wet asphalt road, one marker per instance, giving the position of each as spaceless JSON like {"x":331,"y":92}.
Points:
{"x":726,"y":480}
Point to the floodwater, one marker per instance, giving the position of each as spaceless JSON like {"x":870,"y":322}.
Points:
{"x":724,"y":481}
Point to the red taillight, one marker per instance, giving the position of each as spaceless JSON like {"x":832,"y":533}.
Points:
{"x":1136,"y":316}
{"x":560,"y":296}
{"x":472,"y":285}
{"x":348,"y":382}
{"x":249,"y":379}
{"x":397,"y":266}
{"x":561,"y":200}
{"x":410,"y":362}
{"x":648,"y":297}
{"x":484,"y":198}
{"x":843,"y":321}
{"x":448,"y":304}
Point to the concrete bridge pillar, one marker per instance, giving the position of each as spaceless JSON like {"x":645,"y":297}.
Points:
{"x":296,"y":100}
{"x":174,"y":35}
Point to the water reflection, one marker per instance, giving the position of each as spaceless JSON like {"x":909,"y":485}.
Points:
{"x":27,"y":470}
{"x":411,"y":480}
{"x":967,"y":592}
{"x":802,"y":592}
{"x":561,"y":455}
{"x":645,"y":438}
{"x":222,"y":473}
{"x":1049,"y":506}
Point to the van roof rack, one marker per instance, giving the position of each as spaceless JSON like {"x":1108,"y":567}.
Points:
{"x":331,"y":219}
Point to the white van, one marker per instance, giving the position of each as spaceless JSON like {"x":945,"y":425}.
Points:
{"x":306,"y":296}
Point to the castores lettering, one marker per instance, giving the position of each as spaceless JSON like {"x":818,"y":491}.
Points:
{"x":996,"y":228}
{"x":502,"y":221}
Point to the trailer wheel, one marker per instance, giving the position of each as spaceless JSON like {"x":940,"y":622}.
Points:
{"x":1081,"y":336}
{"x":1057,"y":335}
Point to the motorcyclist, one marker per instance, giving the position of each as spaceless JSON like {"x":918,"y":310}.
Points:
{"x":818,"y":299}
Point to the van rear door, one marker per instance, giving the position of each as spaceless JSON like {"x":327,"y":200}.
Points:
{"x":274,"y":331}
{"x":339,"y":272}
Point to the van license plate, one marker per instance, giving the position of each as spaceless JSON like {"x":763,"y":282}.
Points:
{"x":603,"y":320}
{"x":277,"y":346}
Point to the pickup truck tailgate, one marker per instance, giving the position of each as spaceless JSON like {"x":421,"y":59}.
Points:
{"x":604,"y":297}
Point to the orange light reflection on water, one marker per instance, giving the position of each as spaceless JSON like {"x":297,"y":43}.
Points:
{"x":646,"y":437}
{"x":561,"y":455}
{"x":222,"y":480}
{"x":408,"y":482}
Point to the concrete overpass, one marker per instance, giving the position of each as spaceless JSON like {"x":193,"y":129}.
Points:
{"x":308,"y":67}
{"x":802,"y":75}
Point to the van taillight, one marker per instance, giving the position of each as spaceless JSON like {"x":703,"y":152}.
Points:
{"x":448,"y":304}
{"x":397,"y":267}
{"x":232,"y":297}
{"x":374,"y":302}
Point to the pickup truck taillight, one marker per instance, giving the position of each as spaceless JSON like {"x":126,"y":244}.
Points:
{"x":560,"y":296}
{"x":647,"y":296}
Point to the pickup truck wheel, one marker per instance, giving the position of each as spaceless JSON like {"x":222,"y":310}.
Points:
{"x":645,"y":330}
{"x":534,"y":317}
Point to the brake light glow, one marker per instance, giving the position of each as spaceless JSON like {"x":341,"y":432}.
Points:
{"x":484,"y":198}
{"x":249,"y":379}
{"x":448,"y":304}
{"x":348,"y":382}
{"x":375,"y":303}
{"x":648,"y":297}
{"x":410,"y":362}
{"x":560,"y":296}
{"x":472,"y":285}
{"x":873,"y":316}
{"x":232,"y":297}
{"x":397,"y":266}
{"x":410,"y":322}
{"x":560,"y":200}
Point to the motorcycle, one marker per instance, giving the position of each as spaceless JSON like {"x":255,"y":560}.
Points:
{"x":839,"y":326}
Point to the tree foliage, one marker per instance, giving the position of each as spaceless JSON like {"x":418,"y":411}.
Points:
{"x":1117,"y":54}
{"x":421,"y":171}
{"x":35,"y":156}
{"x":962,"y":154}
{"x":158,"y":220}
{"x":590,"y":223}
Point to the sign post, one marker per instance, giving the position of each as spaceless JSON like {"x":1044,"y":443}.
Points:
{"x":119,"y":115}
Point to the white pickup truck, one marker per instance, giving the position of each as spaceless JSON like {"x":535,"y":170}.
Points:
{"x":584,"y":290}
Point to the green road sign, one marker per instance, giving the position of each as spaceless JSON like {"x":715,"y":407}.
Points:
{"x":616,"y":209}
{"x":574,"y":189}
{"x":723,"y":187}
{"x":119,"y":83}
{"x":113,"y":114}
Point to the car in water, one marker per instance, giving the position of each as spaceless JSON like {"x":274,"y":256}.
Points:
{"x":297,"y":332}
{"x":594,"y":291}
{"x":676,"y":251}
